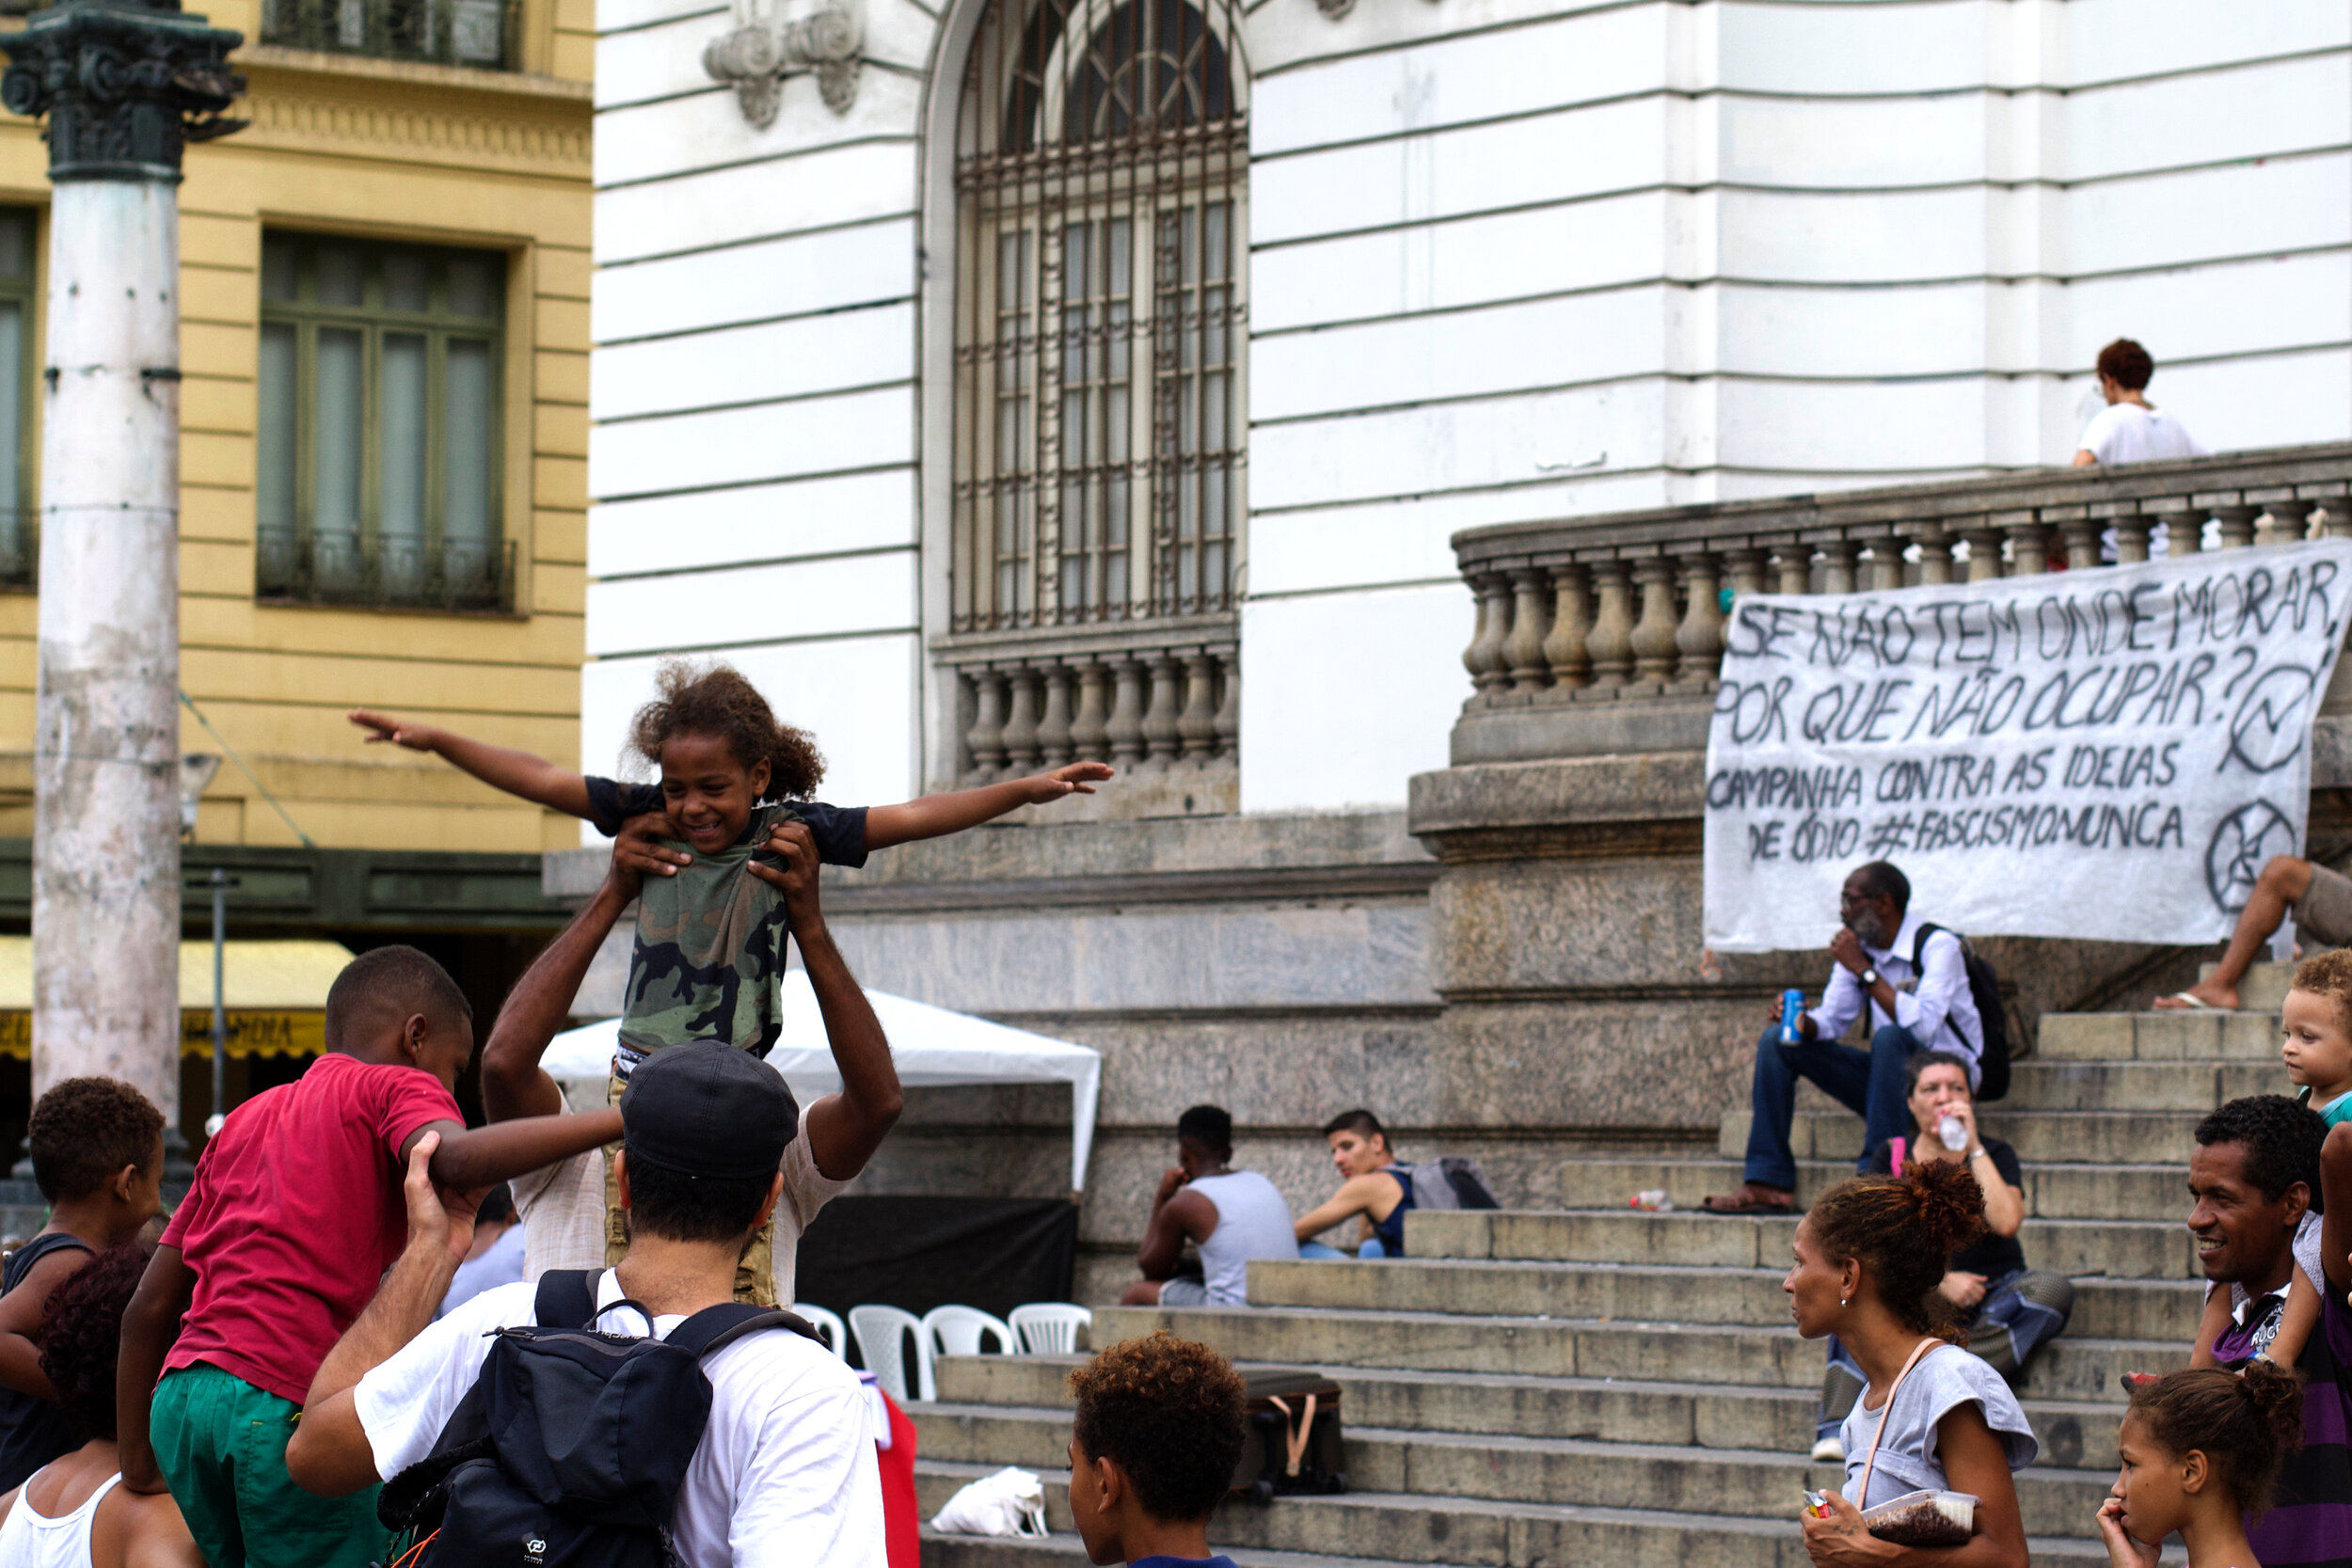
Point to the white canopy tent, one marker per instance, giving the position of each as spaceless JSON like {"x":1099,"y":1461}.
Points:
{"x":931,"y":1045}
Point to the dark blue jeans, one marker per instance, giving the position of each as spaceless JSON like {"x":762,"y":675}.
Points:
{"x":1867,"y":1083}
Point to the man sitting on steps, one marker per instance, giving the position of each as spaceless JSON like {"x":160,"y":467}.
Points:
{"x":2319,"y":899}
{"x":1925,"y":1008}
{"x":1231,"y":1215}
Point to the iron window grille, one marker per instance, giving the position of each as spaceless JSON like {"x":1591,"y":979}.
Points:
{"x":479,"y":33}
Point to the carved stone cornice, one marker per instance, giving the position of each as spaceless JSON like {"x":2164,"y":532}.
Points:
{"x":125,"y":87}
{"x":422,"y":125}
{"x":758,"y":54}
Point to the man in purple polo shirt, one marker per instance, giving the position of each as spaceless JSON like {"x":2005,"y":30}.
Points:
{"x":2257,"y":1167}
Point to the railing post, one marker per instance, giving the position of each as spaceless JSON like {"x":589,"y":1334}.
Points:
{"x":1089,"y":732}
{"x":1021,"y":720}
{"x":1196,"y":725}
{"x":1746,"y":567}
{"x":1794,"y":563}
{"x":2027,"y":553}
{"x":1984,"y":549}
{"x":1886,"y":561}
{"x":2238,"y":524}
{"x":1700,"y":637}
{"x":1160,"y":730}
{"x":1054,"y":728}
{"x":1611,"y":641}
{"x":2132,"y":530}
{"x":1126,"y":722}
{"x":1571,"y":622}
{"x":2290,"y":520}
{"x":1654,"y":646}
{"x":2081,"y":534}
{"x":1523,"y":650}
{"x":1839,"y":556}
{"x":1935,"y":556}
{"x":1229,"y":706}
{"x":986,"y":737}
{"x":1483,"y":657}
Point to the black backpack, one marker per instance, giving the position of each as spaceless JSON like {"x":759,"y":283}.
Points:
{"x":1984,"y":988}
{"x":569,"y":1451}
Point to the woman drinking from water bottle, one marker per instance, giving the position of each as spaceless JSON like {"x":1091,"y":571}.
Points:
{"x":2008,"y":1308}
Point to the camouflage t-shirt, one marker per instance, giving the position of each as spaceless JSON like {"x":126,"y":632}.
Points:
{"x":710,"y":944}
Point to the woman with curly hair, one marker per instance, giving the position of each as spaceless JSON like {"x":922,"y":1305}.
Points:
{"x":1870,"y":1255}
{"x":71,"y":1513}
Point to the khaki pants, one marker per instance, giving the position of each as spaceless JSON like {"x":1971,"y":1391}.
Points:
{"x":754,"y":1276}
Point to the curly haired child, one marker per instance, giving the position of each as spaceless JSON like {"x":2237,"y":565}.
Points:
{"x":1154,"y":1445}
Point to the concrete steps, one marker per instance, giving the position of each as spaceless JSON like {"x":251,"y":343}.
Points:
{"x":1596,"y":1384}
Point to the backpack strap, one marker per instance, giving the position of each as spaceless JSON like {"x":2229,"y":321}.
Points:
{"x":568,"y":1298}
{"x":714,"y":1328}
{"x":1919,"y":970}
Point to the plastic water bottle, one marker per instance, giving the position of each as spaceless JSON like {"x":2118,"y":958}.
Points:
{"x":1791,"y":1009}
{"x":1953,"y":1134}
{"x":1653,"y":1200}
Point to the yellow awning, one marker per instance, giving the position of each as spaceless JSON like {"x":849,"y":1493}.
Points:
{"x":275,"y":991}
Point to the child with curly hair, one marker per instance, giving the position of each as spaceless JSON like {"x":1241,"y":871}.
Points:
{"x":1154,"y":1445}
{"x":2201,"y":1452}
{"x":733,"y":803}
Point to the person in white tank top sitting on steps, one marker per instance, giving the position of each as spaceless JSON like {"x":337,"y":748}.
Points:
{"x":1230,"y":1215}
{"x":71,"y":1513}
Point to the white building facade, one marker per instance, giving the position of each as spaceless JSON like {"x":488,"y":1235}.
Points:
{"x":1065,"y":377}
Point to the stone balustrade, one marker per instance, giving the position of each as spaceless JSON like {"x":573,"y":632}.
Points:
{"x":1149,"y":703}
{"x":1604,"y":634}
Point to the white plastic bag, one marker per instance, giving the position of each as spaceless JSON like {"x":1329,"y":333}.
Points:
{"x":1010,"y":1502}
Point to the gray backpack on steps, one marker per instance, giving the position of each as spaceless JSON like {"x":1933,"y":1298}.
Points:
{"x":1450,"y":1181}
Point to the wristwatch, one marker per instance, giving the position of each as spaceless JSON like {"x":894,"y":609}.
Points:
{"x":1869,"y":978}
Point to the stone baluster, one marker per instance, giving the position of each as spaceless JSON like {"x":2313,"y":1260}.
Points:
{"x":2290,"y":520}
{"x":985,"y":739}
{"x":2237,"y":525}
{"x":1838,"y":558}
{"x":1021,"y":720}
{"x":1196,"y":725}
{"x":2029,"y":551}
{"x":2082,"y":541}
{"x":1653,"y":638}
{"x":1055,"y":725}
{"x":1229,"y":706}
{"x":1887,"y":561}
{"x":1483,"y":657}
{"x":1794,"y":563}
{"x":1611,"y":641}
{"x":1935,"y":556}
{"x":1700,"y":637}
{"x":1571,"y":624}
{"x":2132,"y":530}
{"x":1125,"y":728}
{"x":2185,"y":530}
{"x":1746,"y":569}
{"x":1091,"y":730}
{"x":2338,"y":523}
{"x":1160,"y":730}
{"x":1984,"y":549}
{"x":1523,"y":650}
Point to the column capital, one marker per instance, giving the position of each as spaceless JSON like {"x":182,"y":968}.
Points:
{"x":125,"y":86}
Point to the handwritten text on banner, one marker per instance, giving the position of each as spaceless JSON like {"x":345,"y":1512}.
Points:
{"x":2108,"y":753}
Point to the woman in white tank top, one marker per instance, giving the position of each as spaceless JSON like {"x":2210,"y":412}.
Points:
{"x":73,"y":1512}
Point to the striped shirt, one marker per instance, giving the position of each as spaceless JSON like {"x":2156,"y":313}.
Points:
{"x":2310,"y":1522}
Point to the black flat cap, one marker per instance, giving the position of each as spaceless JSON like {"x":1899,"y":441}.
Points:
{"x":705,"y":1108}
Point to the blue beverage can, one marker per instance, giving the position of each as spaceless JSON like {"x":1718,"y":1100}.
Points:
{"x":1791,"y":1009}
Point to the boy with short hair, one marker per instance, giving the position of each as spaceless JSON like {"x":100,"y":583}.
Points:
{"x":1153,"y":1449}
{"x":1372,"y":1184}
{"x":295,"y":1213}
{"x":97,"y":1146}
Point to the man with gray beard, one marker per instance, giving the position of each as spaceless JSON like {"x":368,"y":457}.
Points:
{"x":1916,"y":993}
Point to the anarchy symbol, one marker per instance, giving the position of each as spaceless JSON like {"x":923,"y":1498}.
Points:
{"x":2243,"y":842}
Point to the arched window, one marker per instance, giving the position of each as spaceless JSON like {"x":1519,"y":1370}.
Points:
{"x":1101,"y":152}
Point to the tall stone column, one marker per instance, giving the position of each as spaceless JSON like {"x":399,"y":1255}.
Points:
{"x":124,"y":88}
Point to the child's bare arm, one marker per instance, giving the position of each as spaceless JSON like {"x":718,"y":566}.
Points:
{"x":937,"y":815}
{"x":2214,"y":1322}
{"x":2297,"y":1320}
{"x":533,"y":778}
{"x":19,"y":1320}
{"x":150,"y":1324}
{"x":483,"y":1157}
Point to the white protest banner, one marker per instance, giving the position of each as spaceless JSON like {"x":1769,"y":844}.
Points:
{"x":2109,"y":754}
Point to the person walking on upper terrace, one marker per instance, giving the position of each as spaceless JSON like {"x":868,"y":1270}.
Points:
{"x":1231,"y":1215}
{"x":1914,"y":979}
{"x":2130,"y":428}
{"x":2319,"y":899}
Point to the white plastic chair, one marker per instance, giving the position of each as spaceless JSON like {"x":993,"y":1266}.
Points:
{"x":836,"y":1335}
{"x":882,"y":1333}
{"x":957,"y":1330}
{"x":1049,"y":1327}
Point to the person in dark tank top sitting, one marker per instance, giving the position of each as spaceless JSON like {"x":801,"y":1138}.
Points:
{"x":98,"y":1157}
{"x":1372,"y":1184}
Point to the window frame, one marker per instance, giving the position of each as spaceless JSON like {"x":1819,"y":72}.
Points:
{"x":374,"y":319}
{"x":28,"y":290}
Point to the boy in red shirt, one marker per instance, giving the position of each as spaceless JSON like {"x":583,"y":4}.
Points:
{"x":295,"y":1213}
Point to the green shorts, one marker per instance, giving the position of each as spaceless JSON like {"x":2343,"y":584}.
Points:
{"x":221,"y":1444}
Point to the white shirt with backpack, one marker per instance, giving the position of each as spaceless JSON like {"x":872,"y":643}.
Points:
{"x":1932,"y":1000}
{"x":785,"y":1473}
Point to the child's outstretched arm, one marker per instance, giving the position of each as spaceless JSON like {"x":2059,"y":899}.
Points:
{"x":2212,"y":1326}
{"x":2297,"y":1320}
{"x":503,"y":768}
{"x":485,"y":1156}
{"x":150,"y":1324}
{"x":937,"y":815}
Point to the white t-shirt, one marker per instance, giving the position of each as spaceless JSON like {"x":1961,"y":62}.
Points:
{"x":784,"y":1476}
{"x":2126,"y":433}
{"x":1945,"y":1378}
{"x":561,"y":1208}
